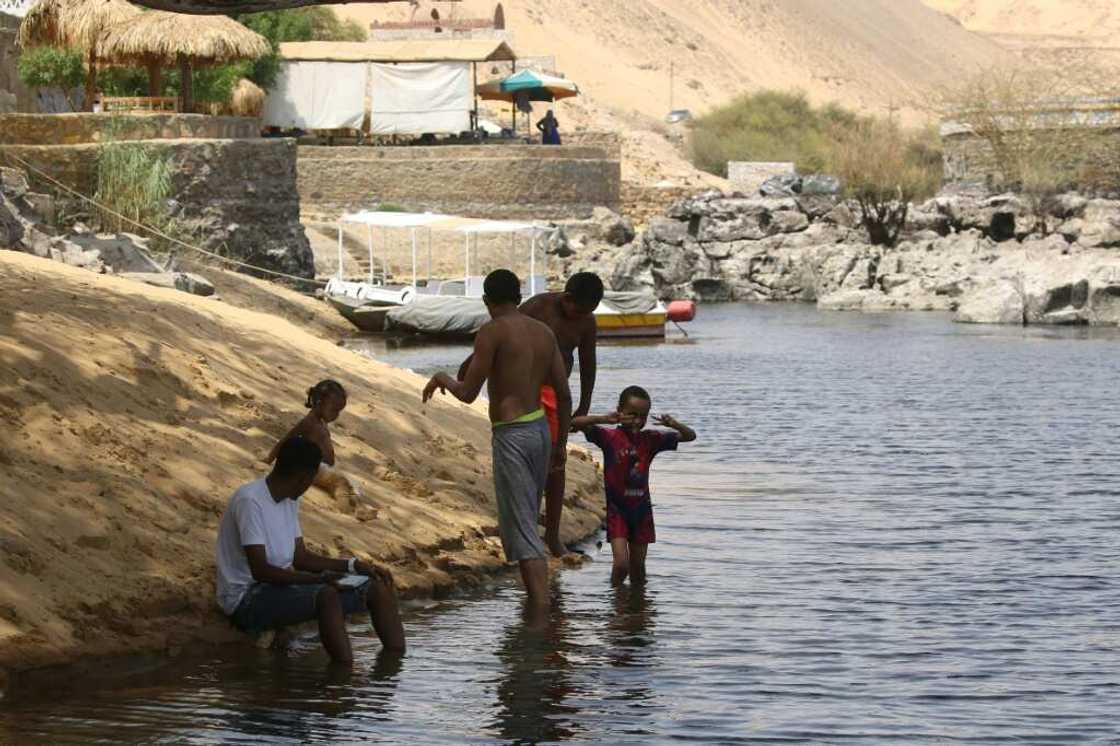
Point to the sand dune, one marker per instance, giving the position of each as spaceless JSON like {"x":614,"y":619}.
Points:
{"x":130,"y":413}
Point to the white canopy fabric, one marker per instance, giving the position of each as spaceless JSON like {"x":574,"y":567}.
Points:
{"x":394,"y":219}
{"x":318,"y":95}
{"x":408,"y":50}
{"x":438,"y":222}
{"x":420,"y":97}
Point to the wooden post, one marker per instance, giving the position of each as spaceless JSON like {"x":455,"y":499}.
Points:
{"x":91,"y":80}
{"x":185,"y":84}
{"x":155,"y":79}
{"x":474,"y":114}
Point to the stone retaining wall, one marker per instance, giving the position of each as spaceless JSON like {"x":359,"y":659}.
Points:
{"x":75,"y":129}
{"x":235,"y":197}
{"x":488,"y":181}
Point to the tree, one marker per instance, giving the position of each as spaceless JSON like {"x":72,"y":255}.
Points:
{"x":884,"y":169}
{"x":1038,"y":127}
{"x":52,"y":67}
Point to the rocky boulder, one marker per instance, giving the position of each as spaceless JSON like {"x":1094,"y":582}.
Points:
{"x":183,"y":281}
{"x":1000,"y":302}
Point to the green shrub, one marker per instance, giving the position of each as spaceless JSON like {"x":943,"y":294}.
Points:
{"x":47,"y":67}
{"x":770,"y":126}
{"x":884,"y":169}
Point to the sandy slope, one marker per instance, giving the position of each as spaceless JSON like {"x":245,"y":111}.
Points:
{"x":874,"y":55}
{"x":1097,"y":20}
{"x":871,"y":54}
{"x":129,"y":414}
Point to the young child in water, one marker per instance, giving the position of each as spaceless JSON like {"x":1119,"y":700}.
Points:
{"x":628,"y":451}
{"x":326,"y":400}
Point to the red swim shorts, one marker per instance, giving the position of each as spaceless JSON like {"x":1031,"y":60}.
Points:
{"x":638,"y":530}
{"x":548,"y":404}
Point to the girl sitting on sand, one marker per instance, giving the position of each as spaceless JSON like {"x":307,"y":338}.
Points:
{"x":326,"y":400}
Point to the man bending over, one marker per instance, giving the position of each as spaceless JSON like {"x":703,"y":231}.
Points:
{"x":268,"y":579}
{"x":516,"y":356}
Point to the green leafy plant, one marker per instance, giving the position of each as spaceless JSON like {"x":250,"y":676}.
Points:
{"x":50,"y":67}
{"x":134,"y":181}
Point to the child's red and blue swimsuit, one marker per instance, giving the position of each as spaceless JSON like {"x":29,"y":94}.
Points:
{"x":626,"y":460}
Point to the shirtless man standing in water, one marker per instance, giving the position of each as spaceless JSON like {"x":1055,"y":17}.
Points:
{"x":570,"y":316}
{"x":516,"y":357}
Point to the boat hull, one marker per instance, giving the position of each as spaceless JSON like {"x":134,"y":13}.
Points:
{"x":631,"y":325}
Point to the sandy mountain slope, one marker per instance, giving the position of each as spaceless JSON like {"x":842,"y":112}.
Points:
{"x":1068,"y":34}
{"x":869,"y":54}
{"x":873,"y":55}
{"x":1088,"y":19}
{"x":130,"y":414}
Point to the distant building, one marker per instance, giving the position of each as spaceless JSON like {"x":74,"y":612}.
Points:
{"x":968,"y":159}
{"x":443,"y":24}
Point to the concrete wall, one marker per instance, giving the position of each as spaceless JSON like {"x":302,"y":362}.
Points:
{"x":235,"y":197}
{"x":748,"y":176}
{"x":74,"y":129}
{"x":490,"y":181}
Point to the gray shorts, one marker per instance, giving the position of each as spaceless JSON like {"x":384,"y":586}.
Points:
{"x":522,"y":453}
{"x":268,"y":606}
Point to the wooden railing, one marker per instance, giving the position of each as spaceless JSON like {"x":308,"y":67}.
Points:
{"x":139,"y":104}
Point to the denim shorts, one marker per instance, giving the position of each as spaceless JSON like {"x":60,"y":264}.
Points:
{"x":268,"y":606}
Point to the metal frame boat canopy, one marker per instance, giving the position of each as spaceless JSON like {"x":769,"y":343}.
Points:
{"x":432,"y":222}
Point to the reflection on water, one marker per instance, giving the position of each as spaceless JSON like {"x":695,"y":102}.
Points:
{"x":891,"y":530}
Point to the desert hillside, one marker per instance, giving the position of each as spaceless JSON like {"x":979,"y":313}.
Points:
{"x":131,"y":413}
{"x":874,"y":55}
{"x":870,"y":54}
{"x":1061,"y":33}
{"x":1089,"y":19}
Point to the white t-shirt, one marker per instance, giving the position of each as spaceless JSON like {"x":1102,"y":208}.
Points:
{"x":253,"y":518}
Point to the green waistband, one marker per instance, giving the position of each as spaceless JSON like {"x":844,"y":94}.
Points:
{"x":531,"y":417}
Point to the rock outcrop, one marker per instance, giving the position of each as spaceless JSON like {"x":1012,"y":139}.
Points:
{"x":22,"y":228}
{"x":986,"y":257}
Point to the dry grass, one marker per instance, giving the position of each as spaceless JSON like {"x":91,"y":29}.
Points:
{"x":247,"y":99}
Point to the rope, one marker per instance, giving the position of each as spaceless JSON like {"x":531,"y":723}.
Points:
{"x":149,"y":229}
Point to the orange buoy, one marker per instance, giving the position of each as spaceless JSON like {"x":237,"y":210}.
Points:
{"x":681,"y":310}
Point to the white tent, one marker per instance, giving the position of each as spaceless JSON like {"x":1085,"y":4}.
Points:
{"x":408,"y":87}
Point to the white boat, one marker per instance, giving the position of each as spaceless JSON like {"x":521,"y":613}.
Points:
{"x":370,"y":305}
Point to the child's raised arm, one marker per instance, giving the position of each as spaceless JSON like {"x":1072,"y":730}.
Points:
{"x":667,"y":420}
{"x":579,"y":424}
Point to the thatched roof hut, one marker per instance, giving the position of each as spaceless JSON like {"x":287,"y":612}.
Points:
{"x":74,"y":23}
{"x":158,"y":39}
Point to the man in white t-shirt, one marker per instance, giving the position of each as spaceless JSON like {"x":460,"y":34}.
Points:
{"x":268,"y":579}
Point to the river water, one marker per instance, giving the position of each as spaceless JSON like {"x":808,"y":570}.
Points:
{"x":891,"y":530}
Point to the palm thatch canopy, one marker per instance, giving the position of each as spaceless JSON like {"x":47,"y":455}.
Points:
{"x":211,"y":7}
{"x":157,"y":38}
{"x":72,"y":23}
{"x":169,"y":37}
